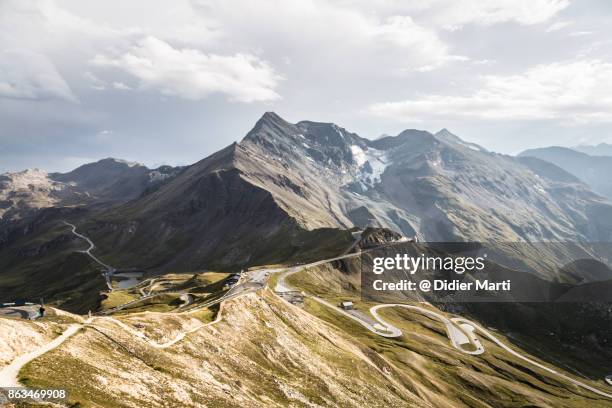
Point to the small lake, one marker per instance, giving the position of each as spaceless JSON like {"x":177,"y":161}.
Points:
{"x":127,"y":279}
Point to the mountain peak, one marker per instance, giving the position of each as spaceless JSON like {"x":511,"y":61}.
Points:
{"x":444,"y":132}
{"x":270,"y":125}
{"x":112,"y":160}
{"x":271,"y":117}
{"x":408,"y":135}
{"x":445,"y":135}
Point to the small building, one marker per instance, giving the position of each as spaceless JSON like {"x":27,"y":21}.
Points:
{"x":233,"y":279}
{"x":347,"y":305}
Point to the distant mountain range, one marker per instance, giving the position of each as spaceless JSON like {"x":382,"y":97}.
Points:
{"x":106,"y":181}
{"x":289,"y":191}
{"x":594,"y":169}
{"x":602,"y":149}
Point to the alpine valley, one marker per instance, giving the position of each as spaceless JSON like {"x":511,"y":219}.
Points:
{"x":218,"y":284}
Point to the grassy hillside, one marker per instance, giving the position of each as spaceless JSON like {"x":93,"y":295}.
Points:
{"x":44,"y":263}
{"x":236,"y":362}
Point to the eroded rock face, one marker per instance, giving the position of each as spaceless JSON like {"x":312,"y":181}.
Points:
{"x":435,"y":186}
{"x":29,"y":190}
{"x":371,"y":237}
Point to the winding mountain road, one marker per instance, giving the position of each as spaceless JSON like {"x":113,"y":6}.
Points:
{"x":109,"y":269}
{"x":495,"y":340}
{"x":458,"y":334}
{"x":460,"y":331}
{"x":9,"y":374}
{"x":167,"y":344}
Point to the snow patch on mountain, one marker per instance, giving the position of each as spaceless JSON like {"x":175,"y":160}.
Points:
{"x":359,"y":156}
{"x":371,"y":163}
{"x":157,"y":176}
{"x":337,"y":129}
{"x":127,"y":163}
{"x":378,"y":161}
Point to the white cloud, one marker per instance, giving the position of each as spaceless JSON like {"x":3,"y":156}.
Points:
{"x":571,"y":92}
{"x":427,"y":47}
{"x":333,"y":32}
{"x":95,"y":82}
{"x":335,"y":55}
{"x":580,"y":33}
{"x":121,"y":86}
{"x":193,"y":75}
{"x":404,"y":32}
{"x":43,"y":26}
{"x":446,"y":59}
{"x":453,"y":13}
{"x":559,"y":25}
{"x":30,"y":75}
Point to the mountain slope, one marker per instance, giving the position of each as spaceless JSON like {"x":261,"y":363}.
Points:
{"x":266,"y":352}
{"x":290,"y":192}
{"x":437,"y":186}
{"x":214,"y":214}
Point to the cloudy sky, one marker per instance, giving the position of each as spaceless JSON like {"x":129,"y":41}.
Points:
{"x":169,"y":82}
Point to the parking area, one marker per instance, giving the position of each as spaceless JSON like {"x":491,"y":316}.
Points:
{"x":20,"y":312}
